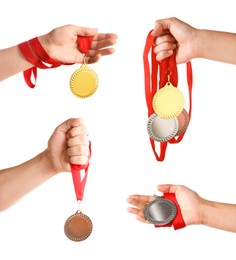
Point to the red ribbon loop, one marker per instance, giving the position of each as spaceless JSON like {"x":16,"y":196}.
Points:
{"x":84,"y":43}
{"x":79,"y":185}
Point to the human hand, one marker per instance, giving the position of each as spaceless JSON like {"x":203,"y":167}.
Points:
{"x":172,"y":35}
{"x":61,"y":44}
{"x":69,"y":143}
{"x":189,"y":201}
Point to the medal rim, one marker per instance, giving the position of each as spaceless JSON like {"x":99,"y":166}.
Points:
{"x":82,"y":68}
{"x":167,"y":220}
{"x":166,"y":88}
{"x":186,"y":123}
{"x":161,"y":139}
{"x":68,"y":233}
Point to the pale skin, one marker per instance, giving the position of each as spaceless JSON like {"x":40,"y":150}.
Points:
{"x":69,"y":143}
{"x":189,"y":43}
{"x":194,"y":209}
{"x":61,"y":45}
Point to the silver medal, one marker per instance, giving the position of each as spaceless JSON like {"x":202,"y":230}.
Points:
{"x":162,"y":130}
{"x":160,"y":211}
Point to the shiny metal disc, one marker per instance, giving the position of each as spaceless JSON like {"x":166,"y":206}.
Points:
{"x":78,"y":227}
{"x":160,"y":211}
{"x":168,"y":102}
{"x":84,"y":82}
{"x":162,"y":130}
{"x":183,"y":120}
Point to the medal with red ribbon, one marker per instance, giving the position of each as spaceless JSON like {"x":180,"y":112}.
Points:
{"x":164,"y":212}
{"x":84,"y":81}
{"x":79,"y":226}
{"x":168,"y":120}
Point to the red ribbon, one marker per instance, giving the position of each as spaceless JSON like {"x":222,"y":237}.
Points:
{"x":178,"y":221}
{"x":34,"y":52}
{"x":168,"y":68}
{"x":84,"y":43}
{"x":79,"y":185}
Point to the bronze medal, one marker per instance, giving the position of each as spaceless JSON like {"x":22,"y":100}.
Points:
{"x":84,"y":82}
{"x":78,"y":227}
{"x":183,"y":120}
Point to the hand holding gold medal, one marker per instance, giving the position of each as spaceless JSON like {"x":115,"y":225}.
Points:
{"x":168,"y":120}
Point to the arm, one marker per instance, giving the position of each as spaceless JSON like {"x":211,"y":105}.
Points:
{"x":61,"y":45}
{"x":189,"y":42}
{"x":68,"y":144}
{"x":195,"y":210}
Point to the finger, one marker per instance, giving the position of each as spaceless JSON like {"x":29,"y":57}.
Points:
{"x":78,"y":150}
{"x":134,"y":211}
{"x":140,"y":201}
{"x":84,"y":31}
{"x":139,"y":214}
{"x":78,"y":140}
{"x":165,"y":46}
{"x":160,"y":26}
{"x":70,"y":123}
{"x":167,"y":188}
{"x":164,"y":38}
{"x":142,"y":219}
{"x":100,"y":37}
{"x":163,"y":55}
{"x":79,"y":160}
{"x":77,"y":130}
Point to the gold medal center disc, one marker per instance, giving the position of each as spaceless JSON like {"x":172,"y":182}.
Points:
{"x":84,"y":82}
{"x":78,"y":227}
{"x":168,"y":102}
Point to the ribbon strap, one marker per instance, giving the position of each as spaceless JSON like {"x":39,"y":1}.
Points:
{"x":79,"y":185}
{"x":178,"y":221}
{"x":84,"y":43}
{"x":34,"y":52}
{"x":167,"y":68}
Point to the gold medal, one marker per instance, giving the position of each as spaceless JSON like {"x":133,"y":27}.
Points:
{"x":78,"y":227}
{"x":84,"y":81}
{"x":168,"y":102}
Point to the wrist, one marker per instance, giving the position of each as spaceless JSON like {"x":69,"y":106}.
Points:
{"x":47,"y":162}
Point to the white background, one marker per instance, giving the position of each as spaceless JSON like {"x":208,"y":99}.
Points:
{"x":122,"y":162}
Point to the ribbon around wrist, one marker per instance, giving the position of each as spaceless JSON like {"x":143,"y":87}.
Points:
{"x":34,"y":53}
{"x":158,"y":77}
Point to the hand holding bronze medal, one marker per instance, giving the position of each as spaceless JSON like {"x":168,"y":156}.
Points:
{"x":79,"y":226}
{"x":84,"y":81}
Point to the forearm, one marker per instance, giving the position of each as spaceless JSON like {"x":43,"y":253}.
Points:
{"x":12,"y":62}
{"x":216,"y":45}
{"x":15,"y":182}
{"x":219,"y":215}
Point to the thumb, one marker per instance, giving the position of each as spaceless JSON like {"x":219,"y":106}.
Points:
{"x":84,"y":31}
{"x":167,"y":188}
